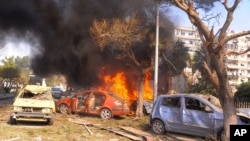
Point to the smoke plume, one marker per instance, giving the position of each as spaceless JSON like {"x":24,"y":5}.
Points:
{"x":59,"y":30}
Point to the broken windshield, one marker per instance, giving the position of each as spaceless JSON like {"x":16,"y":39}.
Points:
{"x":36,"y":95}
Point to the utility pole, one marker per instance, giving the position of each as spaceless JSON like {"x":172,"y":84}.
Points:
{"x":156,"y":51}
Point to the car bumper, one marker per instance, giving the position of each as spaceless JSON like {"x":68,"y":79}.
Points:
{"x":120,"y":111}
{"x":27,"y":116}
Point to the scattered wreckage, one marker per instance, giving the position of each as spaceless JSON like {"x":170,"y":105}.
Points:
{"x":125,"y":131}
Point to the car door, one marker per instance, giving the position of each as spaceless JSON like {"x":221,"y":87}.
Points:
{"x":171,"y":112}
{"x":197,"y":117}
{"x":80,"y":102}
{"x":95,"y":102}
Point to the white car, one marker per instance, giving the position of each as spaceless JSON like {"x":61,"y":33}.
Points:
{"x":33,"y":103}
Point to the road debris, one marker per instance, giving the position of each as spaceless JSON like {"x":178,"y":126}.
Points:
{"x":12,"y":139}
{"x":84,"y":123}
{"x":128,"y":132}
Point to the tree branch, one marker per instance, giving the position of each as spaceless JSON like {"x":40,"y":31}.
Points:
{"x":236,"y":35}
{"x":187,"y":7}
{"x":238,"y":53}
{"x":229,"y":18}
{"x":166,"y":59}
{"x":212,"y":76}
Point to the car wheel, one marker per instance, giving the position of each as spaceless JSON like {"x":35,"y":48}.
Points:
{"x":105,"y":113}
{"x":158,"y":127}
{"x":64,"y":109}
{"x":12,"y":120}
{"x":50,"y":121}
{"x":221,"y":135}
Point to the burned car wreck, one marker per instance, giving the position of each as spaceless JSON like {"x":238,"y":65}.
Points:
{"x":93,"y":102}
{"x":193,"y":114}
{"x":33,"y":103}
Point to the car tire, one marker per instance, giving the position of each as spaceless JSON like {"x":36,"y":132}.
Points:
{"x":12,"y":120}
{"x":221,"y":134}
{"x":158,"y":127}
{"x":50,"y":121}
{"x":64,"y":109}
{"x":105,"y":113}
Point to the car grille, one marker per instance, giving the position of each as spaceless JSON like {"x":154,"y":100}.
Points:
{"x":31,"y":109}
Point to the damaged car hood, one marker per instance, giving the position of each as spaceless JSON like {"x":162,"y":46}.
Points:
{"x":33,"y":103}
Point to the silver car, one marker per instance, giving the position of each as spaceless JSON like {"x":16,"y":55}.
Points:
{"x":193,"y":114}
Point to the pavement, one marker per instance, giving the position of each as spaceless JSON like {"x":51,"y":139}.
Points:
{"x":4,"y":96}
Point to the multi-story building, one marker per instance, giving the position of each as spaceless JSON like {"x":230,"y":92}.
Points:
{"x":238,"y":66}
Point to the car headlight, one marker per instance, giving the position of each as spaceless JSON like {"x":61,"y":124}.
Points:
{"x":18,"y":109}
{"x":46,"y":110}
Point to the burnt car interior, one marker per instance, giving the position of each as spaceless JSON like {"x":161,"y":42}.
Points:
{"x":90,"y":101}
{"x":32,"y":95}
{"x":99,"y":99}
{"x":81,"y":101}
{"x":194,"y":104}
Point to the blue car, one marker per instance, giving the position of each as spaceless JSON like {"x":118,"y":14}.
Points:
{"x":56,"y":92}
{"x":192,"y":114}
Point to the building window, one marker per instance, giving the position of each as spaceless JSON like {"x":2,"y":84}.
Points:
{"x":190,"y":33}
{"x":182,"y":32}
{"x":177,"y":32}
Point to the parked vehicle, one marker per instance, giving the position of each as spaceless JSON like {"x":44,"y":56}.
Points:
{"x":56,"y":92}
{"x":193,"y":114}
{"x":33,"y":103}
{"x":147,"y":106}
{"x":95,"y":102}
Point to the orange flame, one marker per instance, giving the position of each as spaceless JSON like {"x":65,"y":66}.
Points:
{"x":148,"y":92}
{"x":118,"y":86}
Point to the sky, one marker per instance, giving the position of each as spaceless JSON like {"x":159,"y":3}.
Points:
{"x":15,"y":49}
{"x":241,"y":22}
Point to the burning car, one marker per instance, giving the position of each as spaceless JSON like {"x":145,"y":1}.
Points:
{"x":193,"y":114}
{"x":147,"y":106}
{"x":95,"y":102}
{"x":33,"y":103}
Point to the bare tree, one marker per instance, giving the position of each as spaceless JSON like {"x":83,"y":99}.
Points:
{"x":122,"y":35}
{"x":214,"y":50}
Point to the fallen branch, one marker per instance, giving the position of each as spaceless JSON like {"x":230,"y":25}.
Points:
{"x":90,"y":132}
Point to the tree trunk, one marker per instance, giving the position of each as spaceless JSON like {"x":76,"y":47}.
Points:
{"x":139,"y":108}
{"x":229,"y":112}
{"x":226,"y":95}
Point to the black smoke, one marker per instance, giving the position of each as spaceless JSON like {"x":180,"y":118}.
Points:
{"x":62,"y":29}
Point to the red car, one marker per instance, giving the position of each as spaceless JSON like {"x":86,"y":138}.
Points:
{"x":95,"y":102}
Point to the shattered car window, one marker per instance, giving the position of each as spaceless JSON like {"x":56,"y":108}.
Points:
{"x":114,"y":96}
{"x":36,"y":95}
{"x":192,"y":104}
{"x":214,"y":100}
{"x":172,"y":102}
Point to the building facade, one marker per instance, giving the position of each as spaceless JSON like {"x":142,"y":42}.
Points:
{"x":238,"y":66}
